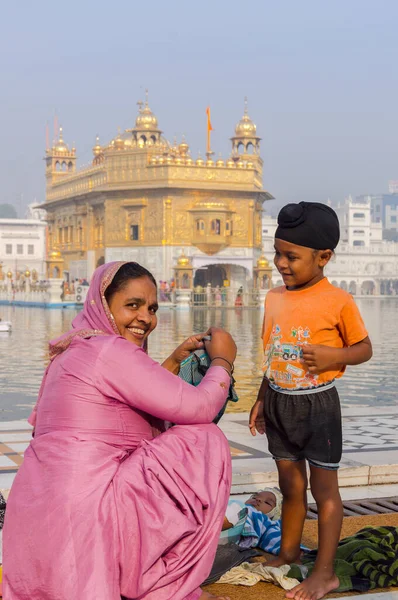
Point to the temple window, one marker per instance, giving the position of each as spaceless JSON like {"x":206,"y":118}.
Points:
{"x":134,"y":233}
{"x":200,"y":226}
{"x":228,"y":228}
{"x":216,"y":227}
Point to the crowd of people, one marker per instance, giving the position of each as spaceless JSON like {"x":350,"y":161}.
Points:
{"x":124,"y":488}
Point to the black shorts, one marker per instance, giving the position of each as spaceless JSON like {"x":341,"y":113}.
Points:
{"x":305,"y":426}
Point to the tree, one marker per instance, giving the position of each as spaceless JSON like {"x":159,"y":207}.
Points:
{"x":7,"y":211}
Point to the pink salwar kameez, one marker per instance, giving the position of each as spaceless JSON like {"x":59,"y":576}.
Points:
{"x":101,"y":508}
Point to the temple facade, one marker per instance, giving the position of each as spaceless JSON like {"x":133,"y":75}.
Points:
{"x":146,"y":199}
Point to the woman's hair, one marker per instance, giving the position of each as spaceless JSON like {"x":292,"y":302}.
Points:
{"x":128,"y":271}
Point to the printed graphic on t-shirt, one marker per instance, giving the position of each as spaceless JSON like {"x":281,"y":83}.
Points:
{"x":283,"y":364}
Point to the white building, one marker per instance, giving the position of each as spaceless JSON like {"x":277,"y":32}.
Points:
{"x":364,"y":263}
{"x":23,"y":244}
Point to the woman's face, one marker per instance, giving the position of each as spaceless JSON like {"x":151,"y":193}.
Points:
{"x":134,"y":309}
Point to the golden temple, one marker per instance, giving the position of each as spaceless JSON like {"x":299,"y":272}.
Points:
{"x":146,"y":199}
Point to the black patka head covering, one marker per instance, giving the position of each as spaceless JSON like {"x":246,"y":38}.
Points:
{"x":309,"y":224}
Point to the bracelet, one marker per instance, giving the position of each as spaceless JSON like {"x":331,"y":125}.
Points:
{"x":224,"y":359}
{"x":228,"y":372}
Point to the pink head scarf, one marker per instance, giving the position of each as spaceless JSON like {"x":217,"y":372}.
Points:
{"x":95,"y":318}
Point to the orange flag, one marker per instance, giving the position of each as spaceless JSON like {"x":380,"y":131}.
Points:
{"x":209,"y":127}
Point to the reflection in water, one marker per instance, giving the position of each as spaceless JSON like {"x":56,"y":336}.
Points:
{"x":23,"y":353}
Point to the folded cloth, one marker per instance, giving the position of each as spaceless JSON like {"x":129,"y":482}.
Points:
{"x":251,"y":573}
{"x":194,"y":368}
{"x":364,"y":561}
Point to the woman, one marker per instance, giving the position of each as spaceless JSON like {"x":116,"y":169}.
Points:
{"x":101,"y":508}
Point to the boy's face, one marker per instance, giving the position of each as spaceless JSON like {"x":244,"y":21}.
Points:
{"x":299,"y":266}
{"x":262,"y":501}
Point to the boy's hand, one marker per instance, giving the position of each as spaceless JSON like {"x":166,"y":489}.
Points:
{"x":256,"y":419}
{"x":319,"y":358}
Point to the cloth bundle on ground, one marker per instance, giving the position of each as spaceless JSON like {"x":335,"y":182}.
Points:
{"x":195,"y":367}
{"x":364,"y":561}
{"x":228,"y":557}
{"x":249,"y":574}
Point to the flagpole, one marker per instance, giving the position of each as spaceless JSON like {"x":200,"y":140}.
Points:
{"x":209,"y":151}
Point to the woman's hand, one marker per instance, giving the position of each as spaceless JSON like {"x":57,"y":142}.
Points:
{"x":194,"y":342}
{"x":221,"y":345}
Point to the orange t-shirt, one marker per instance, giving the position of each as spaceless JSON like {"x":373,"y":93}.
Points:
{"x":321,"y":314}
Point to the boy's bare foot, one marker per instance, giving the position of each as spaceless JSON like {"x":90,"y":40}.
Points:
{"x":207,"y":596}
{"x":315,"y":587}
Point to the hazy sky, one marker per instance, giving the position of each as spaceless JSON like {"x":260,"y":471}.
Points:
{"x":321,"y":77}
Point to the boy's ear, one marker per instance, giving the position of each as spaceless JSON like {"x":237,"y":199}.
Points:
{"x":324,"y":257}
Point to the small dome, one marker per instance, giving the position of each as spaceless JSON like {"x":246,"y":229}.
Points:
{"x":146,"y":120}
{"x":230,"y":163}
{"x":220,"y":163}
{"x":183,"y":148}
{"x":200,"y":162}
{"x":60,"y":145}
{"x":189,"y":161}
{"x":119,"y":143}
{"x":9,"y":274}
{"x":27,"y":273}
{"x":210,"y":162}
{"x":250,"y":165}
{"x":97,"y":148}
{"x":245,"y":127}
{"x":262,"y":262}
{"x":183,"y":261}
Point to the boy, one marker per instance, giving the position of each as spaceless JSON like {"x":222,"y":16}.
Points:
{"x":311,"y":331}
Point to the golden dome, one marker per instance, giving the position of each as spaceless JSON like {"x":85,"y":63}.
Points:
{"x":210,"y":162}
{"x":9,"y":274}
{"x":97,"y":148}
{"x":220,"y":163}
{"x":146,"y":119}
{"x":27,"y":273}
{"x":183,"y":148}
{"x":153,"y":160}
{"x":199,"y":161}
{"x":183,"y":261}
{"x":230,"y":163}
{"x":245,"y":127}
{"x":119,"y":143}
{"x":262,"y":262}
{"x":188,"y":161}
{"x":60,"y":145}
{"x":250,"y":165}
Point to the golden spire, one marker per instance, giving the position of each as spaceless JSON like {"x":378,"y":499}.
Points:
{"x":60,"y":145}
{"x":145,"y":120}
{"x":97,"y":148}
{"x":245,"y":127}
